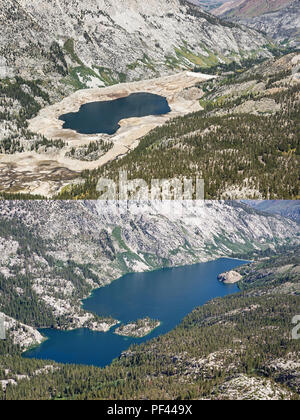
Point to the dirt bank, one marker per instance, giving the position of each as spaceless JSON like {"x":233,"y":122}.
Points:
{"x":66,"y":169}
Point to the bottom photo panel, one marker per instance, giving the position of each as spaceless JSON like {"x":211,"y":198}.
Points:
{"x":149,"y":306}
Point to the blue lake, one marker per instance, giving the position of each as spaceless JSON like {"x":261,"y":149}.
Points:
{"x":104,"y":117}
{"x":167,"y":294}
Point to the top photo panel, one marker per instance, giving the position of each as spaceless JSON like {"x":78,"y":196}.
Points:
{"x":150,"y":100}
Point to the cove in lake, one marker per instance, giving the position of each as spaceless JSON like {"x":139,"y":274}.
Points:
{"x":168,"y":295}
{"x":104,"y":117}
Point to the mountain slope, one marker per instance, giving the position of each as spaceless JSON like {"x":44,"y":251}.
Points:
{"x":246,"y":8}
{"x":113,"y":40}
{"x":208,"y":4}
{"x":280,"y":19}
{"x":284,"y":208}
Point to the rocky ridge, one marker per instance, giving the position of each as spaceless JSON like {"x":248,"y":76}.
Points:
{"x":105,"y":41}
{"x":279,"y":20}
{"x":22,"y":335}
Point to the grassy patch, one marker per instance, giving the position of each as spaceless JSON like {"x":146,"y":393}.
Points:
{"x":116,"y":233}
{"x":69,"y":47}
{"x":199,"y":60}
{"x":147,"y":62}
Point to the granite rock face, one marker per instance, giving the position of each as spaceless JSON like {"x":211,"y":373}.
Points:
{"x":116,"y":39}
{"x":230,"y":277}
{"x":280,"y":20}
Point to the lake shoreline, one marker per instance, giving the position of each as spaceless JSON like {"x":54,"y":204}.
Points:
{"x":117,"y":322}
{"x":205,"y":260}
{"x":136,"y":105}
{"x":47,"y":123}
{"x":183,"y":298}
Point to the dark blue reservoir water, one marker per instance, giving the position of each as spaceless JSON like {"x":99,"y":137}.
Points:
{"x":168,"y":295}
{"x":104,"y":117}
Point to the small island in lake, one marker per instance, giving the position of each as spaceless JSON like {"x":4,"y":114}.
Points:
{"x":230,"y":277}
{"x":139,"y":328}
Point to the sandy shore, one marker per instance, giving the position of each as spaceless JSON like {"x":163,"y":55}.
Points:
{"x":39,"y":168}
